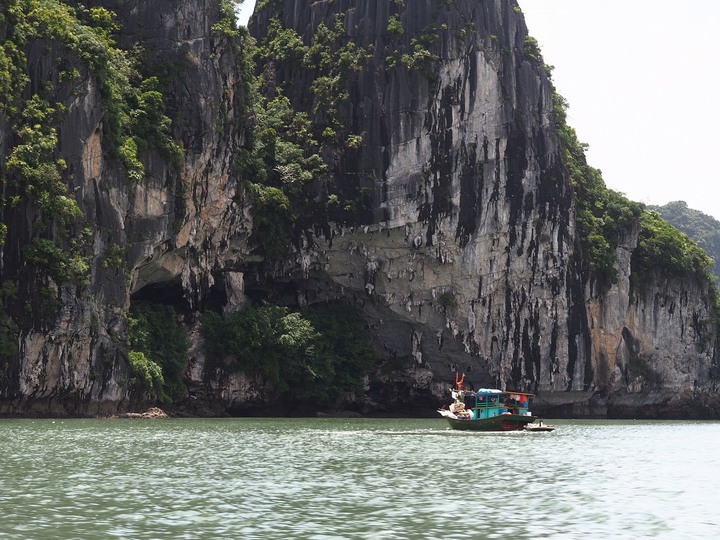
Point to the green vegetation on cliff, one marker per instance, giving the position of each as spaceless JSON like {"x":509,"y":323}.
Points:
{"x":702,"y":228}
{"x":8,"y":327}
{"x":281,"y":160}
{"x":134,"y":107}
{"x":70,"y":38}
{"x":158,"y":350}
{"x":414,"y":51}
{"x":315,"y":357}
{"x":661,"y":247}
{"x":289,"y":154}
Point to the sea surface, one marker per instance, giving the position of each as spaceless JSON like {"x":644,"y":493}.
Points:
{"x":356,"y":478}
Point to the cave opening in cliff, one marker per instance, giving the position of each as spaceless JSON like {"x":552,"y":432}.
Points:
{"x":169,"y":294}
{"x":216,"y":297}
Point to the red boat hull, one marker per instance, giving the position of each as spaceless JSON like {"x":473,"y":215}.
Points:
{"x":503,"y":422}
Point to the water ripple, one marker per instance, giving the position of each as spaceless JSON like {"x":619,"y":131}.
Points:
{"x":365,"y":479}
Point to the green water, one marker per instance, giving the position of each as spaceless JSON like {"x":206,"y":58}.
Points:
{"x":332,"y":478}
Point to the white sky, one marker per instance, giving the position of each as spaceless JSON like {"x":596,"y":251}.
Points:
{"x":245,"y":10}
{"x":643,"y":81}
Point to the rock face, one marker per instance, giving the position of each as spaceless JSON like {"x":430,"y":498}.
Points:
{"x":463,"y":254}
{"x":176,"y":229}
{"x":467,"y":257}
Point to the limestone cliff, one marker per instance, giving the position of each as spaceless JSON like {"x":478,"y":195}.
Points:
{"x":168,"y":233}
{"x":467,"y":256}
{"x":454,"y":229}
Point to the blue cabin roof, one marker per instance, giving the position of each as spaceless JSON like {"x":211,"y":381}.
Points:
{"x":494,"y":392}
{"x":488,"y":392}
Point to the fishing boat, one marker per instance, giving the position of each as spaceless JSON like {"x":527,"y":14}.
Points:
{"x":488,"y":409}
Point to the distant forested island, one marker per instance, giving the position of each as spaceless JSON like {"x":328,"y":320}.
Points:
{"x":702,"y":228}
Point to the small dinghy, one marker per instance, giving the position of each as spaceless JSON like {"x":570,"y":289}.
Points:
{"x":539,"y":426}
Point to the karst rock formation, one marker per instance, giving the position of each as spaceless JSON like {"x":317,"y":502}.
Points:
{"x":462,"y":252}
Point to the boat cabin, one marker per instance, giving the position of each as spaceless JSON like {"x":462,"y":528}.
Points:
{"x":488,"y":403}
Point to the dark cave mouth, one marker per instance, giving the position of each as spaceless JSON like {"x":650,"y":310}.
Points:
{"x":166,"y":293}
{"x":172,"y":293}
